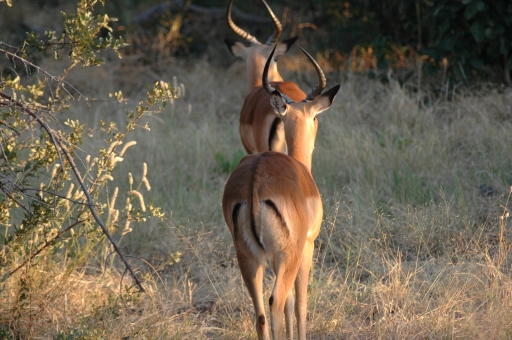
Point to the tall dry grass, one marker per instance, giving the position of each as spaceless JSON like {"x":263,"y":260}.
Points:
{"x":415,"y":242}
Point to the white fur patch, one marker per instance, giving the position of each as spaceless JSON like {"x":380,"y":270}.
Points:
{"x":315,"y":220}
{"x":244,"y":226}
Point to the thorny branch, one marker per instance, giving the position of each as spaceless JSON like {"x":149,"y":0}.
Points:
{"x":58,"y":142}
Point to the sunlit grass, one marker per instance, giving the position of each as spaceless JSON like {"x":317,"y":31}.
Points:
{"x":410,"y":246}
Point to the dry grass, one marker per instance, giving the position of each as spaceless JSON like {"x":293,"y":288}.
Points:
{"x":410,"y":246}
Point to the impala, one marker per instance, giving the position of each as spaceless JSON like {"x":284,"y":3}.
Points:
{"x":273,"y":210}
{"x":260,"y":129}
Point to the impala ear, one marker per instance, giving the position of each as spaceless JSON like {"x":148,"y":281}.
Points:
{"x":278,"y":103}
{"x":284,"y":46}
{"x":323,"y":101}
{"x":236,"y":47}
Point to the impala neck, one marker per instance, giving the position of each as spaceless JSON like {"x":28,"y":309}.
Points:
{"x":300,"y":146}
{"x":255,"y":71}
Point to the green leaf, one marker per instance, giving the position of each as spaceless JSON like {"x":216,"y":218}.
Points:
{"x":473,"y":8}
{"x":438,"y":10}
{"x":477,"y":63}
{"x":490,"y":33}
{"x":477,"y":29}
{"x":444,"y":26}
{"x":448,"y":43}
{"x":504,"y":45}
{"x":456,"y":6}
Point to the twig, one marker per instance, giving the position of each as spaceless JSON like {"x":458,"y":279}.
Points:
{"x":52,"y":77}
{"x":59,"y":143}
{"x":95,"y":215}
{"x":10,"y":127}
{"x":54,"y":194}
{"x":39,"y":120}
{"x":46,"y":244}
{"x":14,"y":199}
{"x":9,"y":46}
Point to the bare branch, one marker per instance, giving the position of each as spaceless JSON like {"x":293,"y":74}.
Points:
{"x":9,"y":127}
{"x":54,"y":194}
{"x":46,"y":244}
{"x":95,"y":215}
{"x":43,"y":124}
{"x":9,"y":46}
{"x":6,"y":192}
{"x":59,"y":143}
{"x":58,"y":80}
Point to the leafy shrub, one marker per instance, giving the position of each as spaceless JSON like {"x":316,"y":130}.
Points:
{"x":468,"y":37}
{"x":53,"y":201}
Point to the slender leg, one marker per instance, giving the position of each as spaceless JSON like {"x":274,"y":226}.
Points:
{"x":285,"y":276}
{"x":252,"y":273}
{"x":301,"y":289}
{"x":288,"y":314}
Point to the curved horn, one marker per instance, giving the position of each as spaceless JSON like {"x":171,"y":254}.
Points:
{"x":278,"y":28}
{"x":238,"y":30}
{"x":321,"y":79}
{"x":264,"y":78}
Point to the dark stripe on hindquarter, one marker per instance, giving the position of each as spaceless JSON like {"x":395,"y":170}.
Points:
{"x":253,"y":229}
{"x":234,"y":217}
{"x":279,"y":217}
{"x":272,"y":133}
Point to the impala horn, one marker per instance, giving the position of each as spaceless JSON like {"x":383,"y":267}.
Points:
{"x":264,"y":79}
{"x":278,"y":28}
{"x":238,"y":30}
{"x":321,"y":79}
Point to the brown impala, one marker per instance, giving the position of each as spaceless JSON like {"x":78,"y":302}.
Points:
{"x":273,"y":209}
{"x":260,"y":129}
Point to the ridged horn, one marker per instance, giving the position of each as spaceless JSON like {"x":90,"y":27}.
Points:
{"x":278,"y":28}
{"x":264,"y":80}
{"x":321,"y":79}
{"x":238,"y":30}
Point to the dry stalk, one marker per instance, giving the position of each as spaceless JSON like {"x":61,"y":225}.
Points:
{"x":58,"y":142}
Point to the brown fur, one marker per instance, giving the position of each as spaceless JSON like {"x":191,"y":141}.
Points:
{"x":274,"y":211}
{"x":257,"y":117}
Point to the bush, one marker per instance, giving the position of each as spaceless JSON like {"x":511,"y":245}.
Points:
{"x":56,"y":200}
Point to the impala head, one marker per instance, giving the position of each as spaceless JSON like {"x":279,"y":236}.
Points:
{"x":299,"y":118}
{"x":256,"y":53}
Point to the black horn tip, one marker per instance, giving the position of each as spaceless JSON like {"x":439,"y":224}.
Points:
{"x":306,"y":53}
{"x":229,"y":7}
{"x":264,"y":77}
{"x":321,"y":77}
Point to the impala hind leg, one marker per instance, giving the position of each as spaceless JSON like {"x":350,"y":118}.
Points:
{"x":252,"y":273}
{"x":301,"y":289}
{"x":285,"y":277}
{"x":288,"y":314}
